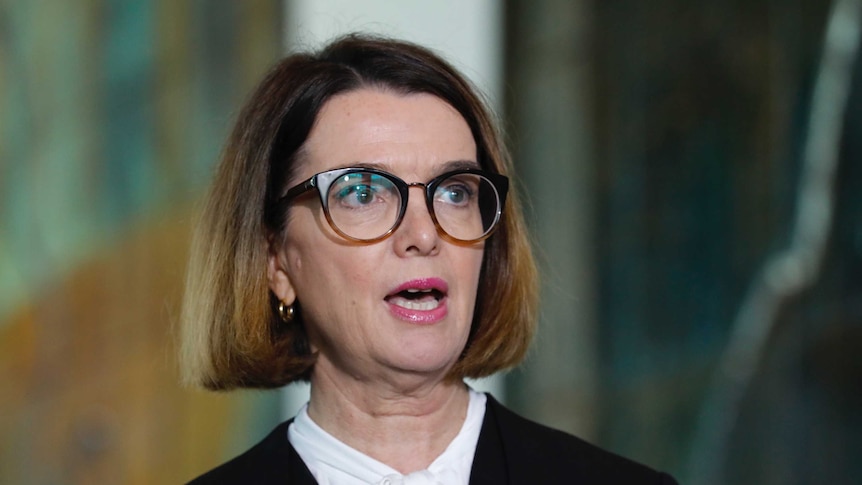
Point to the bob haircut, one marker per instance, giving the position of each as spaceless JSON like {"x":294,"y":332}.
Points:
{"x":231,"y":335}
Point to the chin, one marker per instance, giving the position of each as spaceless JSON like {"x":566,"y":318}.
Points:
{"x":426,"y":361}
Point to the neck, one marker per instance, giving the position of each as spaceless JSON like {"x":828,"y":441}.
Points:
{"x":405,"y":424}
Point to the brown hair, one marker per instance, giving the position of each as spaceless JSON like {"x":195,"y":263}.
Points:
{"x":231,"y":333}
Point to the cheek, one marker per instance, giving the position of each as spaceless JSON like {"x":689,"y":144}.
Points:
{"x":472,"y":263}
{"x":325,"y":273}
{"x":353,"y":279}
{"x":304,"y":245}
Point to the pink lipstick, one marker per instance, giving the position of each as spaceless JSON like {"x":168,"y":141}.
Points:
{"x":419,"y":301}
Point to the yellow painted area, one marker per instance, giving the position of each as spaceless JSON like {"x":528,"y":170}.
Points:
{"x":90,"y":392}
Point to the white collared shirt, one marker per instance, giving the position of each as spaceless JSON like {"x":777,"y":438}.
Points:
{"x":332,"y":462}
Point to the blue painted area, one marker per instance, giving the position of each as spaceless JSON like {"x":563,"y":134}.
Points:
{"x":129,"y":157}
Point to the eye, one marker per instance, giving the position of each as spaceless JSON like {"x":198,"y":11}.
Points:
{"x":359,"y":194}
{"x":359,"y":190}
{"x":455,"y":193}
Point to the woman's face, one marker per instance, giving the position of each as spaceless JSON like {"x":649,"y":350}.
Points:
{"x":402,"y":305}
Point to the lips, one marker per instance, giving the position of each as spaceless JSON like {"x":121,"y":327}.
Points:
{"x":420,"y":300}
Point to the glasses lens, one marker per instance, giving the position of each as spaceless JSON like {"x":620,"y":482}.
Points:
{"x":467,"y":206}
{"x":363,"y":205}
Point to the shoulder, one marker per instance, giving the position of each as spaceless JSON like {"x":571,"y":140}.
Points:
{"x":272,"y":460}
{"x":547,"y":455}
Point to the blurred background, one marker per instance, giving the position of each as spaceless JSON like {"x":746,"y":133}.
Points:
{"x":694,"y":187}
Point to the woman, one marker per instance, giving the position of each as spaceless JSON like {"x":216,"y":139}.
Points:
{"x":361,"y":235}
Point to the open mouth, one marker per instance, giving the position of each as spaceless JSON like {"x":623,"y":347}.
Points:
{"x":419,"y":295}
{"x":417,"y":299}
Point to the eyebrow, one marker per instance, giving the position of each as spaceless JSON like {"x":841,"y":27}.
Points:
{"x":460,"y":164}
{"x":446,"y":167}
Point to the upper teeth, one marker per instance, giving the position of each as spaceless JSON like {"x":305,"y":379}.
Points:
{"x":416,"y":290}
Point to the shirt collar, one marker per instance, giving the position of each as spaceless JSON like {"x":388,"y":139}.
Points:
{"x":333,"y":462}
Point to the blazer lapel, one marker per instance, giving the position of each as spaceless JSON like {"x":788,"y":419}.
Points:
{"x":297,"y":472}
{"x":275,"y":461}
{"x":489,"y":462}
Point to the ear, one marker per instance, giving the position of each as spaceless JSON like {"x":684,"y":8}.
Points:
{"x":279,"y":281}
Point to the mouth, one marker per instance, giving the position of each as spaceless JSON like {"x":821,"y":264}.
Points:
{"x":415,"y":299}
{"x":416,"y":296}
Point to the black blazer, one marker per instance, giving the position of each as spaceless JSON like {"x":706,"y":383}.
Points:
{"x":511,"y":450}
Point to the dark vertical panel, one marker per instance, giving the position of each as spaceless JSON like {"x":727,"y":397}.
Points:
{"x":216,"y":74}
{"x":623,"y":274}
{"x":550,"y":69}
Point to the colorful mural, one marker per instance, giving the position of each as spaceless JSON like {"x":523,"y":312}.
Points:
{"x":111,"y":118}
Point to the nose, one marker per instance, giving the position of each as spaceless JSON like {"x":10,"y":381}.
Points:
{"x":417,"y":234}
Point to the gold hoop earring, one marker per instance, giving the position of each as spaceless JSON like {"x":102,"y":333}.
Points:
{"x":286,"y":312}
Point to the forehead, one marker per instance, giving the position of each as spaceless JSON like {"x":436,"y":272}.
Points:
{"x":403,"y":133}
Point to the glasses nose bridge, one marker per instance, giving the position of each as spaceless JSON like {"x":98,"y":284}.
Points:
{"x":416,"y":184}
{"x":421,"y":185}
{"x":425,"y":200}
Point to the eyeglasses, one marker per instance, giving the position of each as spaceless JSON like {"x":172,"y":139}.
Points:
{"x":367,"y":205}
